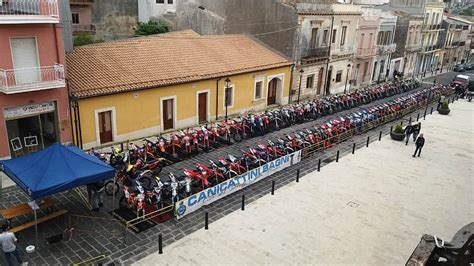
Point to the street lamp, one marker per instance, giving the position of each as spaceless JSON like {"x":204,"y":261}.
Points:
{"x":299,"y":88}
{"x":347,"y":76}
{"x":226,"y":96}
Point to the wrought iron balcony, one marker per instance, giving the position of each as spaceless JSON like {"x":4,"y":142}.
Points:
{"x":413,"y":47}
{"x":319,"y":52}
{"x":365,"y":52}
{"x":342,"y":52}
{"x":454,"y":44}
{"x":431,"y":27}
{"x":31,"y":79}
{"x":388,"y":48}
{"x":431,"y":48}
{"x":29,"y":11}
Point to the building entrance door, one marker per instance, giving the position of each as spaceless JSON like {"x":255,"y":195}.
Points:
{"x":105,"y":127}
{"x":328,"y":81}
{"x":168,"y":120}
{"x":32,"y":133}
{"x":272,"y":91}
{"x":202,"y":107}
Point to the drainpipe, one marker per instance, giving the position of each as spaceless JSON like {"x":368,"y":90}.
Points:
{"x":72,"y":120}
{"x":329,"y":56}
{"x":217,"y":98}
{"x":79,"y":119}
{"x":75,"y":138}
{"x":291,"y":82}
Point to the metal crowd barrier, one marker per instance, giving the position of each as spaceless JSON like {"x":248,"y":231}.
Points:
{"x":366,"y":126}
{"x":146,"y":217}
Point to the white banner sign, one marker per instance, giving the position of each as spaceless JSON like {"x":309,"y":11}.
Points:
{"x":26,"y":110}
{"x":208,"y":196}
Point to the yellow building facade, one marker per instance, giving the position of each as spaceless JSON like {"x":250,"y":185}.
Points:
{"x":140,"y":113}
{"x":118,"y":98}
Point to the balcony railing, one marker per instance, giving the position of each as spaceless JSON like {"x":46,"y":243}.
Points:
{"x":80,"y":2}
{"x":29,"y":11}
{"x":79,"y":29}
{"x":343,"y":50}
{"x":428,"y":27}
{"x":31,"y":79}
{"x":319,"y":52}
{"x":431,"y":48}
{"x":384,"y":49}
{"x":365,"y":52}
{"x":413,"y":47}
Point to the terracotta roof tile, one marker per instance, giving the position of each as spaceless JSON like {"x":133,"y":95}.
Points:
{"x":165,"y":59}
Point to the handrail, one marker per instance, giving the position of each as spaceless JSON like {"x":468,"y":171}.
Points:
{"x":24,"y":79}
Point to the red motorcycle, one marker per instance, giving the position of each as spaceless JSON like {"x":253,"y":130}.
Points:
{"x":214,"y":176}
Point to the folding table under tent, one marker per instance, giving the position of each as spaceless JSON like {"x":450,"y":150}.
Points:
{"x":55,"y":169}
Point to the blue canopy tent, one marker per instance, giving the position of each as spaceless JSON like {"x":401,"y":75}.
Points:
{"x":55,"y":169}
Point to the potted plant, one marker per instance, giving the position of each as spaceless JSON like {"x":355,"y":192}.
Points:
{"x":398,"y":133}
{"x":444,"y":109}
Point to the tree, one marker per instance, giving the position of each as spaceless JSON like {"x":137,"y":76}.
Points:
{"x":468,"y":11}
{"x":149,"y":28}
{"x":86,"y":38}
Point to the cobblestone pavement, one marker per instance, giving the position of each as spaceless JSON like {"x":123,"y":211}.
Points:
{"x":99,"y":233}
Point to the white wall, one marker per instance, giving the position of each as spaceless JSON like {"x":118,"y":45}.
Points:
{"x":150,"y":9}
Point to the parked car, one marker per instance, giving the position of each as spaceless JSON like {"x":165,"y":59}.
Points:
{"x":459,"y":68}
{"x":468,"y":66}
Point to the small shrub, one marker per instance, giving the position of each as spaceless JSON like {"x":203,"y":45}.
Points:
{"x":398,"y":129}
{"x":149,"y":28}
{"x":86,"y":38}
{"x":445,"y":105}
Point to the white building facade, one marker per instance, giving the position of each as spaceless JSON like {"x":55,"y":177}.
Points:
{"x":154,"y":9}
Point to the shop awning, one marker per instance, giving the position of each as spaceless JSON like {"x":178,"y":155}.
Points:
{"x":55,"y":169}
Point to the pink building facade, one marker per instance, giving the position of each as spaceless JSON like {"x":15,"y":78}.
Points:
{"x":34,"y":106}
{"x":81,"y":17}
{"x":366,"y":51}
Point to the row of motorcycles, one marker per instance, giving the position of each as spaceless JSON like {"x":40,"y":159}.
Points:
{"x":184,"y":144}
{"x":139,"y":167}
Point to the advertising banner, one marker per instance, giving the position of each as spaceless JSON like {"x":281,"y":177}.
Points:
{"x":27,"y":110}
{"x":208,"y":196}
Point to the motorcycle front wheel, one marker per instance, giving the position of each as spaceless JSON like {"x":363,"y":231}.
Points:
{"x":110,"y":187}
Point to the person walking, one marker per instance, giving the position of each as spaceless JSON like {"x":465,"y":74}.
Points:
{"x":98,"y":195}
{"x":416,"y":130}
{"x":420,"y":142}
{"x":440,"y":101}
{"x":408,"y":131}
{"x":7,"y":240}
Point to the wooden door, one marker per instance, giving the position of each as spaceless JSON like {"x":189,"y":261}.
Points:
{"x":328,"y":82}
{"x":272,"y":90}
{"x":168,"y":119}
{"x":105,"y":127}
{"x":202,"y":107}
{"x":320,"y":79}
